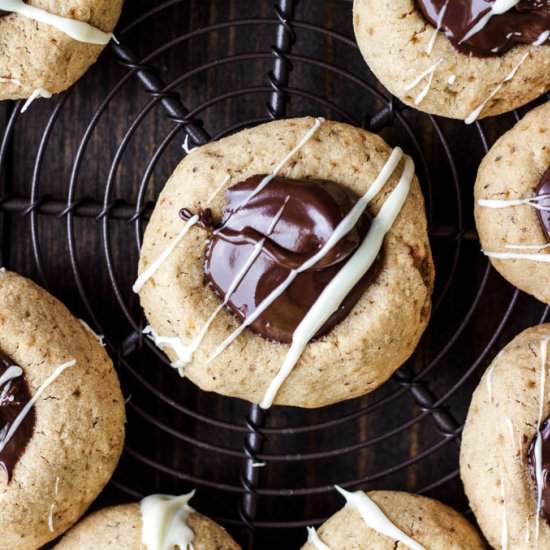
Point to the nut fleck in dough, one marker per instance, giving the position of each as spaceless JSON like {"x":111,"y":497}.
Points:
{"x":427,"y":521}
{"x":360,"y":353}
{"x":513,"y":169}
{"x":393,"y":37}
{"x":501,"y":423}
{"x":36,"y":55}
{"x":119,"y":528}
{"x":79,"y":431}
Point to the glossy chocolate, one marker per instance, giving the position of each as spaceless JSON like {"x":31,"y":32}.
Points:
{"x":522,"y":24}
{"x":14,"y":395}
{"x":313,"y":210}
{"x":543,"y":196}
{"x":545,"y":432}
{"x":4,"y":13}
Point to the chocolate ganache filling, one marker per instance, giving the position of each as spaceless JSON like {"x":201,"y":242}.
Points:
{"x":285,"y":224}
{"x":545,"y":467}
{"x":14,"y":395}
{"x":525,"y":23}
{"x":543,"y":201}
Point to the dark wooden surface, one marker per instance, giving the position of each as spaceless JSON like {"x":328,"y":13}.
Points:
{"x":90,"y":262}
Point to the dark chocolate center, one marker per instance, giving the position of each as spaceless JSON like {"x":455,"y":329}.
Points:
{"x":523,"y":24}
{"x":14,"y":395}
{"x":545,"y":433}
{"x":308,"y":212}
{"x":543,"y":196}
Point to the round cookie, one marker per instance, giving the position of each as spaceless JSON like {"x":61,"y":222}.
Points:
{"x":360,"y":352}
{"x":37,"y":58}
{"x":395,"y":39}
{"x":497,"y":443}
{"x":71,"y":451}
{"x":428,"y":522}
{"x":120,"y":528}
{"x":513,"y":170}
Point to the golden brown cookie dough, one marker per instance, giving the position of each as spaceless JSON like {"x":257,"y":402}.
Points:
{"x":513,"y":169}
{"x":79,"y":430}
{"x":501,"y":423}
{"x":119,"y":528}
{"x":37,"y":56}
{"x":361,"y":352}
{"x":428,"y":522}
{"x":393,"y":38}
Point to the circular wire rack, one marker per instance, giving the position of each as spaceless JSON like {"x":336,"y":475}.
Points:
{"x":81,"y":205}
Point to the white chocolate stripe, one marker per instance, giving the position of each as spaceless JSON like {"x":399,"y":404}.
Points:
{"x":343,"y":228}
{"x":498,"y":8}
{"x":474,"y":115}
{"x":39,"y":92}
{"x":5,"y":437}
{"x":174,"y":342}
{"x":507,"y":203}
{"x":153,"y":268}
{"x":375,"y":518}
{"x":545,"y":258}
{"x":10,"y":373}
{"x":78,"y":30}
{"x":440,"y":16}
{"x":265,"y":181}
{"x":314,"y":540}
{"x":339,"y":287}
{"x":429,"y":74}
{"x":164,"y":520}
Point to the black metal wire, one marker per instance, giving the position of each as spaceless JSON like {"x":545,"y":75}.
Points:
{"x":256,"y":429}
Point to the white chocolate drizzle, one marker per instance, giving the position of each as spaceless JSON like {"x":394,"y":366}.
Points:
{"x":39,"y":92}
{"x":164,"y":519}
{"x":155,"y":265}
{"x":99,"y":337}
{"x":440,"y":16}
{"x":10,"y":373}
{"x":375,"y":518}
{"x":313,"y":539}
{"x":474,"y":115}
{"x":265,"y":181}
{"x":343,"y":228}
{"x":186,"y":147}
{"x":77,"y":30}
{"x":173,"y":342}
{"x":339,"y":287}
{"x":427,"y":74}
{"x":507,"y":203}
{"x":498,"y":8}
{"x":9,"y":429}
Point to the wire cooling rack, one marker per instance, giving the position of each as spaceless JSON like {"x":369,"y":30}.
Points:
{"x":79,"y":177}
